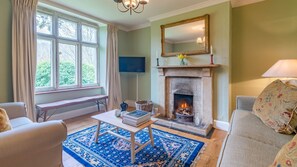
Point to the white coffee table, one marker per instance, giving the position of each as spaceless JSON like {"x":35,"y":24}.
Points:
{"x":110,"y":118}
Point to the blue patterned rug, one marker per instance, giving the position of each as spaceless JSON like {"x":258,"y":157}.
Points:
{"x":169,"y":150}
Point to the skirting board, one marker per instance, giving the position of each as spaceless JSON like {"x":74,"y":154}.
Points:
{"x":221,"y":125}
{"x":74,"y":113}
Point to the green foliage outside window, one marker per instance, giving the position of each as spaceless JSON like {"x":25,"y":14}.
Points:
{"x":66,"y":72}
{"x":88,"y":74}
{"x":43,"y":75}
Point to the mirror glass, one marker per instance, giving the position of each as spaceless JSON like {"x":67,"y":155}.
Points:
{"x":186,"y":37}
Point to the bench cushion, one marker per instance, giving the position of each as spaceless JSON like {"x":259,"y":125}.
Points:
{"x":64,"y":103}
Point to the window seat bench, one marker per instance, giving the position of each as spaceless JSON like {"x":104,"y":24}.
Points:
{"x":42,"y":109}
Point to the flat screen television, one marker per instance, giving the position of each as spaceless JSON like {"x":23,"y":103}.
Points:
{"x":132,"y":64}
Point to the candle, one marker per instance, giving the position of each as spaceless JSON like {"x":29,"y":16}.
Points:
{"x":211,"y":50}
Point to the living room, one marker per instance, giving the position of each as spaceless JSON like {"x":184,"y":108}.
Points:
{"x":244,"y":38}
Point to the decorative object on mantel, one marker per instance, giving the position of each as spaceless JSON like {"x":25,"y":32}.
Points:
{"x":131,"y":5}
{"x":182,"y":58}
{"x":157,"y":56}
{"x":211,"y":55}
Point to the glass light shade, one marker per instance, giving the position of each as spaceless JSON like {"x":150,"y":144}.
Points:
{"x":282,"y":69}
{"x":130,"y":3}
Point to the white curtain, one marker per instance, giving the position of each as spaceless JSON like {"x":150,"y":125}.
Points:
{"x":113,"y":82}
{"x":24,"y":52}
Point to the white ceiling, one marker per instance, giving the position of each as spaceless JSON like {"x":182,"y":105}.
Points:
{"x":106,"y":10}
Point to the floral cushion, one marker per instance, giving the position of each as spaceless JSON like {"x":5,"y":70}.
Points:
{"x":276,"y":106}
{"x":287,"y":156}
{"x":4,"y":121}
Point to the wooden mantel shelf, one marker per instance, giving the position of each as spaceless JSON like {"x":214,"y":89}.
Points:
{"x":190,"y":66}
{"x":203,"y":70}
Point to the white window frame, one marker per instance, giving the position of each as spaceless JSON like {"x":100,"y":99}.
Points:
{"x":97,"y":64}
{"x":53,"y":63}
{"x":76,"y":44}
{"x":79,"y":44}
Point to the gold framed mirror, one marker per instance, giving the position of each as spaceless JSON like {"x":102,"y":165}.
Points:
{"x":190,"y":37}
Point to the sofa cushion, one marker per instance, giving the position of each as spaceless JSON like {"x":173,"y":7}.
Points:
{"x":287,"y":156}
{"x":4,"y":121}
{"x":276,"y":106}
{"x":246,"y":124}
{"x":21,"y":121}
{"x":244,"y":152}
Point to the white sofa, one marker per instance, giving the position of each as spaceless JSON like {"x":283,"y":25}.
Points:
{"x":30,"y":144}
{"x":249,"y":143}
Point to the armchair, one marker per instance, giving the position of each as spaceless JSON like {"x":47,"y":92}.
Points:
{"x":30,"y":144}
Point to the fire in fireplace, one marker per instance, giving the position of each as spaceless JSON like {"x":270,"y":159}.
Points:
{"x":183,"y":107}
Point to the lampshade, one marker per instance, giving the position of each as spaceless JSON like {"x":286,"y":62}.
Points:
{"x":282,"y":69}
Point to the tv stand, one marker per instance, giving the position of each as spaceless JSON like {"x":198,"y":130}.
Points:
{"x":136,"y":86}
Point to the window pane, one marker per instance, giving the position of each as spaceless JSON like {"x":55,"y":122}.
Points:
{"x":44,"y":23}
{"x":89,"y":34}
{"x":89,"y":62}
{"x":44,"y":70}
{"x":67,"y":64}
{"x":67,"y":29}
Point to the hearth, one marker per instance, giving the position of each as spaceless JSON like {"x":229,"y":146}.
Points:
{"x":183,"y":106}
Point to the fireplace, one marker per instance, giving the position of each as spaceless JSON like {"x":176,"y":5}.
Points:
{"x":183,"y":106}
{"x":185,"y":97}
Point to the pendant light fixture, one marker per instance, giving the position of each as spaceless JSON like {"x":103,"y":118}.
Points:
{"x":131,"y":5}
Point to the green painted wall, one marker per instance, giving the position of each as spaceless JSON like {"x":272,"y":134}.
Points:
{"x":262,"y":34}
{"x":136,"y":43}
{"x":6,"y":93}
{"x":220,"y":25}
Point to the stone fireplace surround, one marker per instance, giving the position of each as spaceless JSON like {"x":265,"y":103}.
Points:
{"x":196,"y":79}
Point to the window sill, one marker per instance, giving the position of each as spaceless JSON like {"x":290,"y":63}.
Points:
{"x":67,"y":90}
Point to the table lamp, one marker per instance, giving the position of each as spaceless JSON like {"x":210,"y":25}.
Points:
{"x":286,"y":68}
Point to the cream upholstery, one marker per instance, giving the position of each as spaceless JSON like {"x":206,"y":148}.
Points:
{"x":31,"y":144}
{"x":249,"y":142}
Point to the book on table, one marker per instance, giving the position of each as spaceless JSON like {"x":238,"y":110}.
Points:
{"x":136,"y":118}
{"x":138,"y":115}
{"x":133,"y":123}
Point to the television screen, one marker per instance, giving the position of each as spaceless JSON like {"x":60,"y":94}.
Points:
{"x":132,"y":64}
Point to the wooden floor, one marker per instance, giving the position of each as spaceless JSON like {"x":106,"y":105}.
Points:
{"x":207,"y":159}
